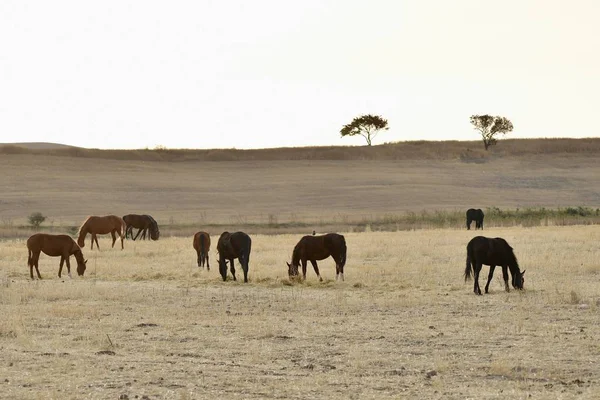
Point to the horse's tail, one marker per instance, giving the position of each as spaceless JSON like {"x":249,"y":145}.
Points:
{"x":468,"y":267}
{"x":123,"y":231}
{"x":247,"y":252}
{"x":29,"y":258}
{"x":202,"y":251}
{"x":343,"y":250}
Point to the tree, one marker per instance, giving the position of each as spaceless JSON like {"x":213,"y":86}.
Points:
{"x":368,"y":126}
{"x":36,"y":219}
{"x":490,"y":126}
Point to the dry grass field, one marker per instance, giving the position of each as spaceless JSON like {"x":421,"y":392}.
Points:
{"x":145,"y":322}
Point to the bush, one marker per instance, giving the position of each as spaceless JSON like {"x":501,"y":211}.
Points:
{"x":36,"y":219}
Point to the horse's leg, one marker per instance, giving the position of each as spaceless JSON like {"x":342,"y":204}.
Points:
{"x":138,"y":234}
{"x":62,"y":261}
{"x":95,"y":239}
{"x":31,"y":262}
{"x":206,"y":259}
{"x":67,"y":257}
{"x":490,"y":276}
{"x":36,"y":260}
{"x":232,"y":268}
{"x":144,"y":233}
{"x":468,"y":224}
{"x":303,"y":262}
{"x":114,"y":238}
{"x":244,"y":264}
{"x":121,"y":236}
{"x":505,"y":276}
{"x":476,"y":287}
{"x":316,"y":268}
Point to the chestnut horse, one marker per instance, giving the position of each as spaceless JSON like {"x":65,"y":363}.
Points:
{"x":54,"y":246}
{"x":100,"y":226}
{"x":313,"y":248}
{"x":231,"y":246}
{"x":143,"y":223}
{"x":202,"y":246}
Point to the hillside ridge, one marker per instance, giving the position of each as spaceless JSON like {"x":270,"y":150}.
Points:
{"x":468,"y":151}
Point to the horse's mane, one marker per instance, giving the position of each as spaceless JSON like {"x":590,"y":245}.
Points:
{"x":296,"y":255}
{"x":84,"y":224}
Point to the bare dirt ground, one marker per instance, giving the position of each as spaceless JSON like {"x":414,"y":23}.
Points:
{"x":146,"y":322}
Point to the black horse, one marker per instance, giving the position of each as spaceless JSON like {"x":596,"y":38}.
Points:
{"x":482,"y":250}
{"x":231,"y":246}
{"x":475,"y":215}
{"x":313,"y":248}
{"x":143,"y":223}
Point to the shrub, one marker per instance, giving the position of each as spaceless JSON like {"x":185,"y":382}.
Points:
{"x":36,"y":219}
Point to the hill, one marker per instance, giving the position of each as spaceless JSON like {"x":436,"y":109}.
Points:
{"x":391,"y":186}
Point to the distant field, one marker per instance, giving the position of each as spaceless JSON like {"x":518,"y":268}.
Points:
{"x":145,"y":321}
{"x":264,"y":189}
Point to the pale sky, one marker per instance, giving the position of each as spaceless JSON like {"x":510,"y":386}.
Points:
{"x":276,"y":73}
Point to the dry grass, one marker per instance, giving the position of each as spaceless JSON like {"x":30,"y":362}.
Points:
{"x":147,"y":322}
{"x":301,"y":194}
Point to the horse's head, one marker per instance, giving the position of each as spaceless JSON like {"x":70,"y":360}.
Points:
{"x":292,"y":270}
{"x":223,"y":268}
{"x":518,"y":280}
{"x":81,"y":263}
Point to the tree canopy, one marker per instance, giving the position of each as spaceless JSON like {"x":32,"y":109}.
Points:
{"x":367,"y":126}
{"x":489,"y":127}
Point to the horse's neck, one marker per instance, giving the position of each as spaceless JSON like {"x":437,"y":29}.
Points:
{"x":83,"y":231}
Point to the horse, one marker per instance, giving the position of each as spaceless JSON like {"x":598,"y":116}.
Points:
{"x":313,"y":248}
{"x":202,"y":246}
{"x":482,"y":250}
{"x":54,"y":246}
{"x":475,"y":215}
{"x":102,"y":225}
{"x":231,"y":246}
{"x":143,"y":223}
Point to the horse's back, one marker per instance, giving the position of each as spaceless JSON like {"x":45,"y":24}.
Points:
{"x":201,"y":238}
{"x":52,"y":245}
{"x":489,"y":251}
{"x":232,"y":245}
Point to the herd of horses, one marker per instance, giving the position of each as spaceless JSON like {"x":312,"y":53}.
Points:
{"x":237,"y":245}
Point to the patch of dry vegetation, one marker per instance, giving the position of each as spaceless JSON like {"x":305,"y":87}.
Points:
{"x":146,"y":321}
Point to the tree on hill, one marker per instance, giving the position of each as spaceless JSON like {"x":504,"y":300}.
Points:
{"x":490,"y":127}
{"x":367,"y":126}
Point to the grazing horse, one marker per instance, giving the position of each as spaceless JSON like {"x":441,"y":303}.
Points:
{"x":143,"y":223}
{"x":313,"y":248}
{"x":492,"y":252}
{"x":475,"y":215}
{"x":54,"y":246}
{"x":202,"y":246}
{"x":231,"y":246}
{"x":100,"y":226}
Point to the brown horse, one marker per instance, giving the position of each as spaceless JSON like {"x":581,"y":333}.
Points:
{"x":231,"y":246}
{"x":143,"y":223}
{"x":100,"y":226}
{"x":202,"y":246}
{"x":314,"y":248}
{"x":54,"y":246}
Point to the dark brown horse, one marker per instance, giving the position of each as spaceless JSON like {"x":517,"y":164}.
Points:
{"x":202,"y":246}
{"x":231,"y":246}
{"x":475,"y":215}
{"x":54,"y":246}
{"x":316,"y":248}
{"x":101,"y":226}
{"x":143,"y":223}
{"x":492,"y":252}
